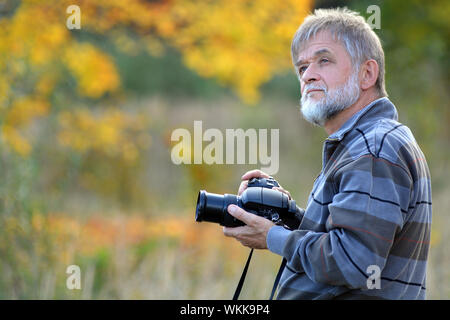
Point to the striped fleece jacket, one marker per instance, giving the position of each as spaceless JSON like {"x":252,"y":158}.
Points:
{"x":365,"y":233}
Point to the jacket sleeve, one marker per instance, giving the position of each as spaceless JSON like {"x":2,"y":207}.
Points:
{"x":372,"y":196}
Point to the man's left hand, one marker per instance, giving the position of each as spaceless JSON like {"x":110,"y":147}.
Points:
{"x":254,"y":233}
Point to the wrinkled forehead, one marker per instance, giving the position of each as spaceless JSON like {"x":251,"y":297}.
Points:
{"x":324,"y":42}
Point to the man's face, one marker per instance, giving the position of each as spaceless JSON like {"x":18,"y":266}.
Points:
{"x":329,"y":82}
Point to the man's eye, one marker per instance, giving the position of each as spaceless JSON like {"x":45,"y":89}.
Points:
{"x":324,"y":60}
{"x":302,"y":69}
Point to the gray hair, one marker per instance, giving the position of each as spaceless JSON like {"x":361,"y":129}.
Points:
{"x":348,"y":27}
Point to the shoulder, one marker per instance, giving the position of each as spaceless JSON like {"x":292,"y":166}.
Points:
{"x":376,"y":150}
{"x":391,"y":141}
{"x":385,"y":138}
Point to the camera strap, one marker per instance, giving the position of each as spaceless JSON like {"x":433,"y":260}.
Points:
{"x":244,"y":274}
{"x":278,"y":277}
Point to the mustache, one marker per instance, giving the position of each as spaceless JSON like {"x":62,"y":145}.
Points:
{"x":314,"y":87}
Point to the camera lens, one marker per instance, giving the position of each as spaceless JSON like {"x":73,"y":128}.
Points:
{"x":201,"y":202}
{"x":209,"y":207}
{"x":212,"y":207}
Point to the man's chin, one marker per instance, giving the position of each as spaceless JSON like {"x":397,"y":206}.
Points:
{"x":317,"y":113}
{"x":310,"y":113}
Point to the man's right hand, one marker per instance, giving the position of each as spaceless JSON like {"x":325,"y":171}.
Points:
{"x":258,"y":174}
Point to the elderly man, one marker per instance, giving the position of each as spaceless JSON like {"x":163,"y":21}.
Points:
{"x":366,"y":229}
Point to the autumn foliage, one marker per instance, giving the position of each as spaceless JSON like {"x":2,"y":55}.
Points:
{"x":241,"y":44}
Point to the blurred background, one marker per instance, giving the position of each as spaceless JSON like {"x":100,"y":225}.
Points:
{"x":86,"y":117}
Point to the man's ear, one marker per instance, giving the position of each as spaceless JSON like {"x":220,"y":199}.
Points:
{"x":369,"y":74}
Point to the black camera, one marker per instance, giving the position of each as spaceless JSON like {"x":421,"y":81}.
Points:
{"x":258,"y":198}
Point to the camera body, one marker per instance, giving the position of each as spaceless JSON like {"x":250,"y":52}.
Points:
{"x":258,"y":198}
{"x":268,"y":183}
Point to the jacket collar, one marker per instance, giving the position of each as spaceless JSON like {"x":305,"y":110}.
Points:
{"x":384,"y":109}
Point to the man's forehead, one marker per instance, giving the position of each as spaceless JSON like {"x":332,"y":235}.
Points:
{"x":323,"y":42}
{"x":303,"y":58}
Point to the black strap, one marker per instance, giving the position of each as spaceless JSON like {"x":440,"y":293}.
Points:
{"x":244,"y":273}
{"x":278,"y":277}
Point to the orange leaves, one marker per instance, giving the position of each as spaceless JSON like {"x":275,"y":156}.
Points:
{"x":98,"y":232}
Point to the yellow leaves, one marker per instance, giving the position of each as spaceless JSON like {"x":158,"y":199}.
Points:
{"x":33,"y":44}
{"x":4,"y":92}
{"x":47,"y":44}
{"x":24,"y":110}
{"x":75,"y":130}
{"x":94,"y":70}
{"x":19,"y":115}
{"x":33,"y":32}
{"x":241,"y":43}
{"x":13,"y":138}
{"x":113,"y":133}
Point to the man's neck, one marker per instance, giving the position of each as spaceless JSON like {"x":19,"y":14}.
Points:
{"x":335,"y":123}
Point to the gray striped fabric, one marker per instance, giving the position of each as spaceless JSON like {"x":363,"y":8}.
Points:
{"x":365,"y":233}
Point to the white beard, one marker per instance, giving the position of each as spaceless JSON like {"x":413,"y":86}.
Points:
{"x":333,"y":102}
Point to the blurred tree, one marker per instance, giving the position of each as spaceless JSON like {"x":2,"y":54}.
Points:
{"x":70,"y":81}
{"x":416,"y":40}
{"x":241,"y":43}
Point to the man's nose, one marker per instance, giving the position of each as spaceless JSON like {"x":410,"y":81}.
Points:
{"x":310,"y":75}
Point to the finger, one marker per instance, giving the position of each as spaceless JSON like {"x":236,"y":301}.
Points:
{"x":241,"y":214}
{"x":242,"y":187}
{"x":233,"y":231}
{"x":254,"y":174}
{"x":229,"y":232}
{"x":284,"y":191}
